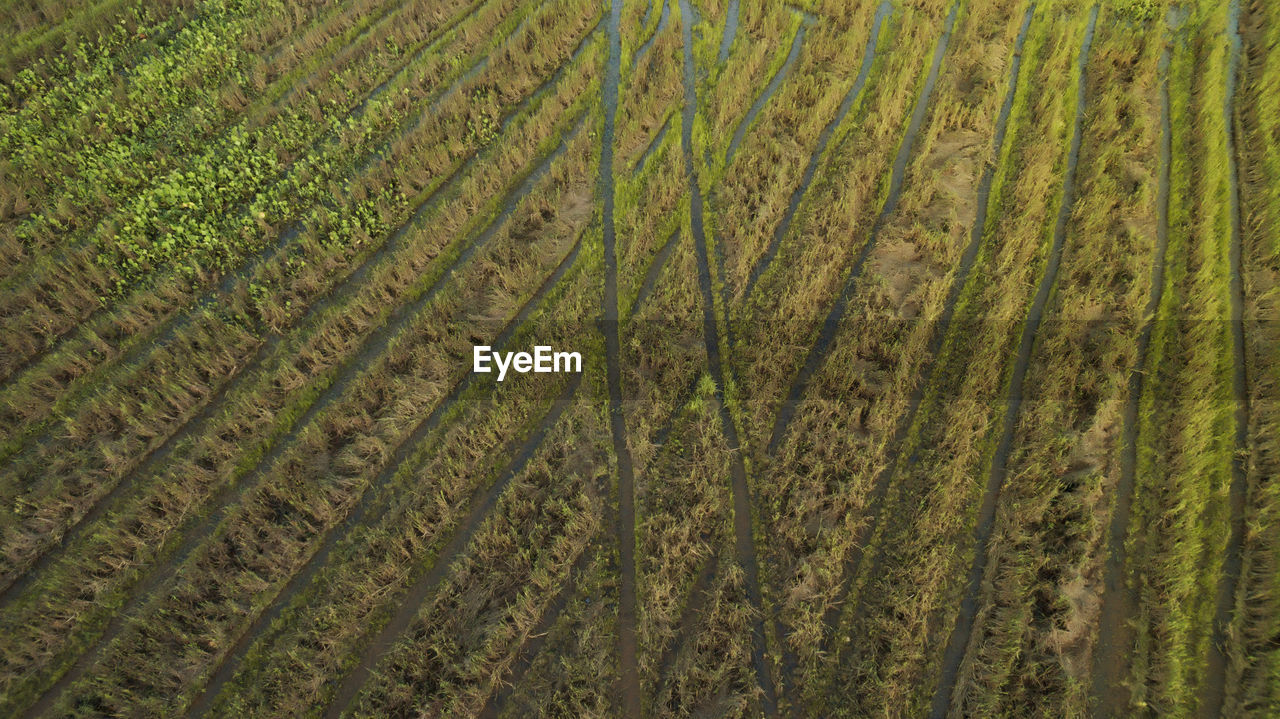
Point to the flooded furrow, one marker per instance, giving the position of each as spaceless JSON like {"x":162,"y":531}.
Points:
{"x":231,"y":494}
{"x":852,"y":568}
{"x":629,"y":689}
{"x":386,"y":15}
{"x":687,"y":625}
{"x":1115,"y":636}
{"x":648,"y":43}
{"x":744,"y":542}
{"x":655,"y":270}
{"x":790,"y":660}
{"x":730,"y":31}
{"x":412,"y":124}
{"x":344,"y":291}
{"x":739,"y":134}
{"x":481,"y":507}
{"x":398,"y":457}
{"x":684,"y":398}
{"x":830,"y":325}
{"x":774,"y":83}
{"x":475,"y":69}
{"x":819,"y":150}
{"x":537,"y":637}
{"x":958,"y":642}
{"x":654,"y":144}
{"x":1213,"y":695}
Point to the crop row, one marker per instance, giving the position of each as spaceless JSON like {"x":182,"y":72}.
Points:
{"x":1033,"y":605}
{"x":1258,"y":625}
{"x":913,"y":49}
{"x":232,"y":196}
{"x":1195,"y":485}
{"x":339,"y":333}
{"x":301,"y":286}
{"x":889,"y":334}
{"x":669,"y":279}
{"x":242,"y":308}
{"x":401,"y":618}
{"x":45,"y":31}
{"x":374,"y":196}
{"x":286,"y":120}
{"x":670,"y":349}
{"x":85,"y":147}
{"x":357,"y":429}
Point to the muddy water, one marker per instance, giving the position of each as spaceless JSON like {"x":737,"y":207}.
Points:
{"x":730,"y":31}
{"x":963,"y":629}
{"x":662,"y":25}
{"x":626,"y":529}
{"x":653,"y":145}
{"x":655,"y":270}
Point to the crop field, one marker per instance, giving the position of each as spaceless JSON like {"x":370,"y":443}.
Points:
{"x":930,"y":358}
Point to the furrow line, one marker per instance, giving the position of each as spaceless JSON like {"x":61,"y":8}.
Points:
{"x":655,"y":270}
{"x":358,"y":364}
{"x":537,"y":637}
{"x":743,"y":533}
{"x":730,"y":31}
{"x":790,"y":660}
{"x":648,"y":43}
{"x":648,"y":13}
{"x":629,"y":684}
{"x":884,"y":478}
{"x":1214,"y":692}
{"x":819,"y":151}
{"x":958,"y":643}
{"x":399,"y":456}
{"x":344,"y":291}
{"x":1119,"y":605}
{"x":482,"y":506}
{"x":654,"y":144}
{"x":775,"y":82}
{"x":690,"y":618}
{"x":830,"y":325}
